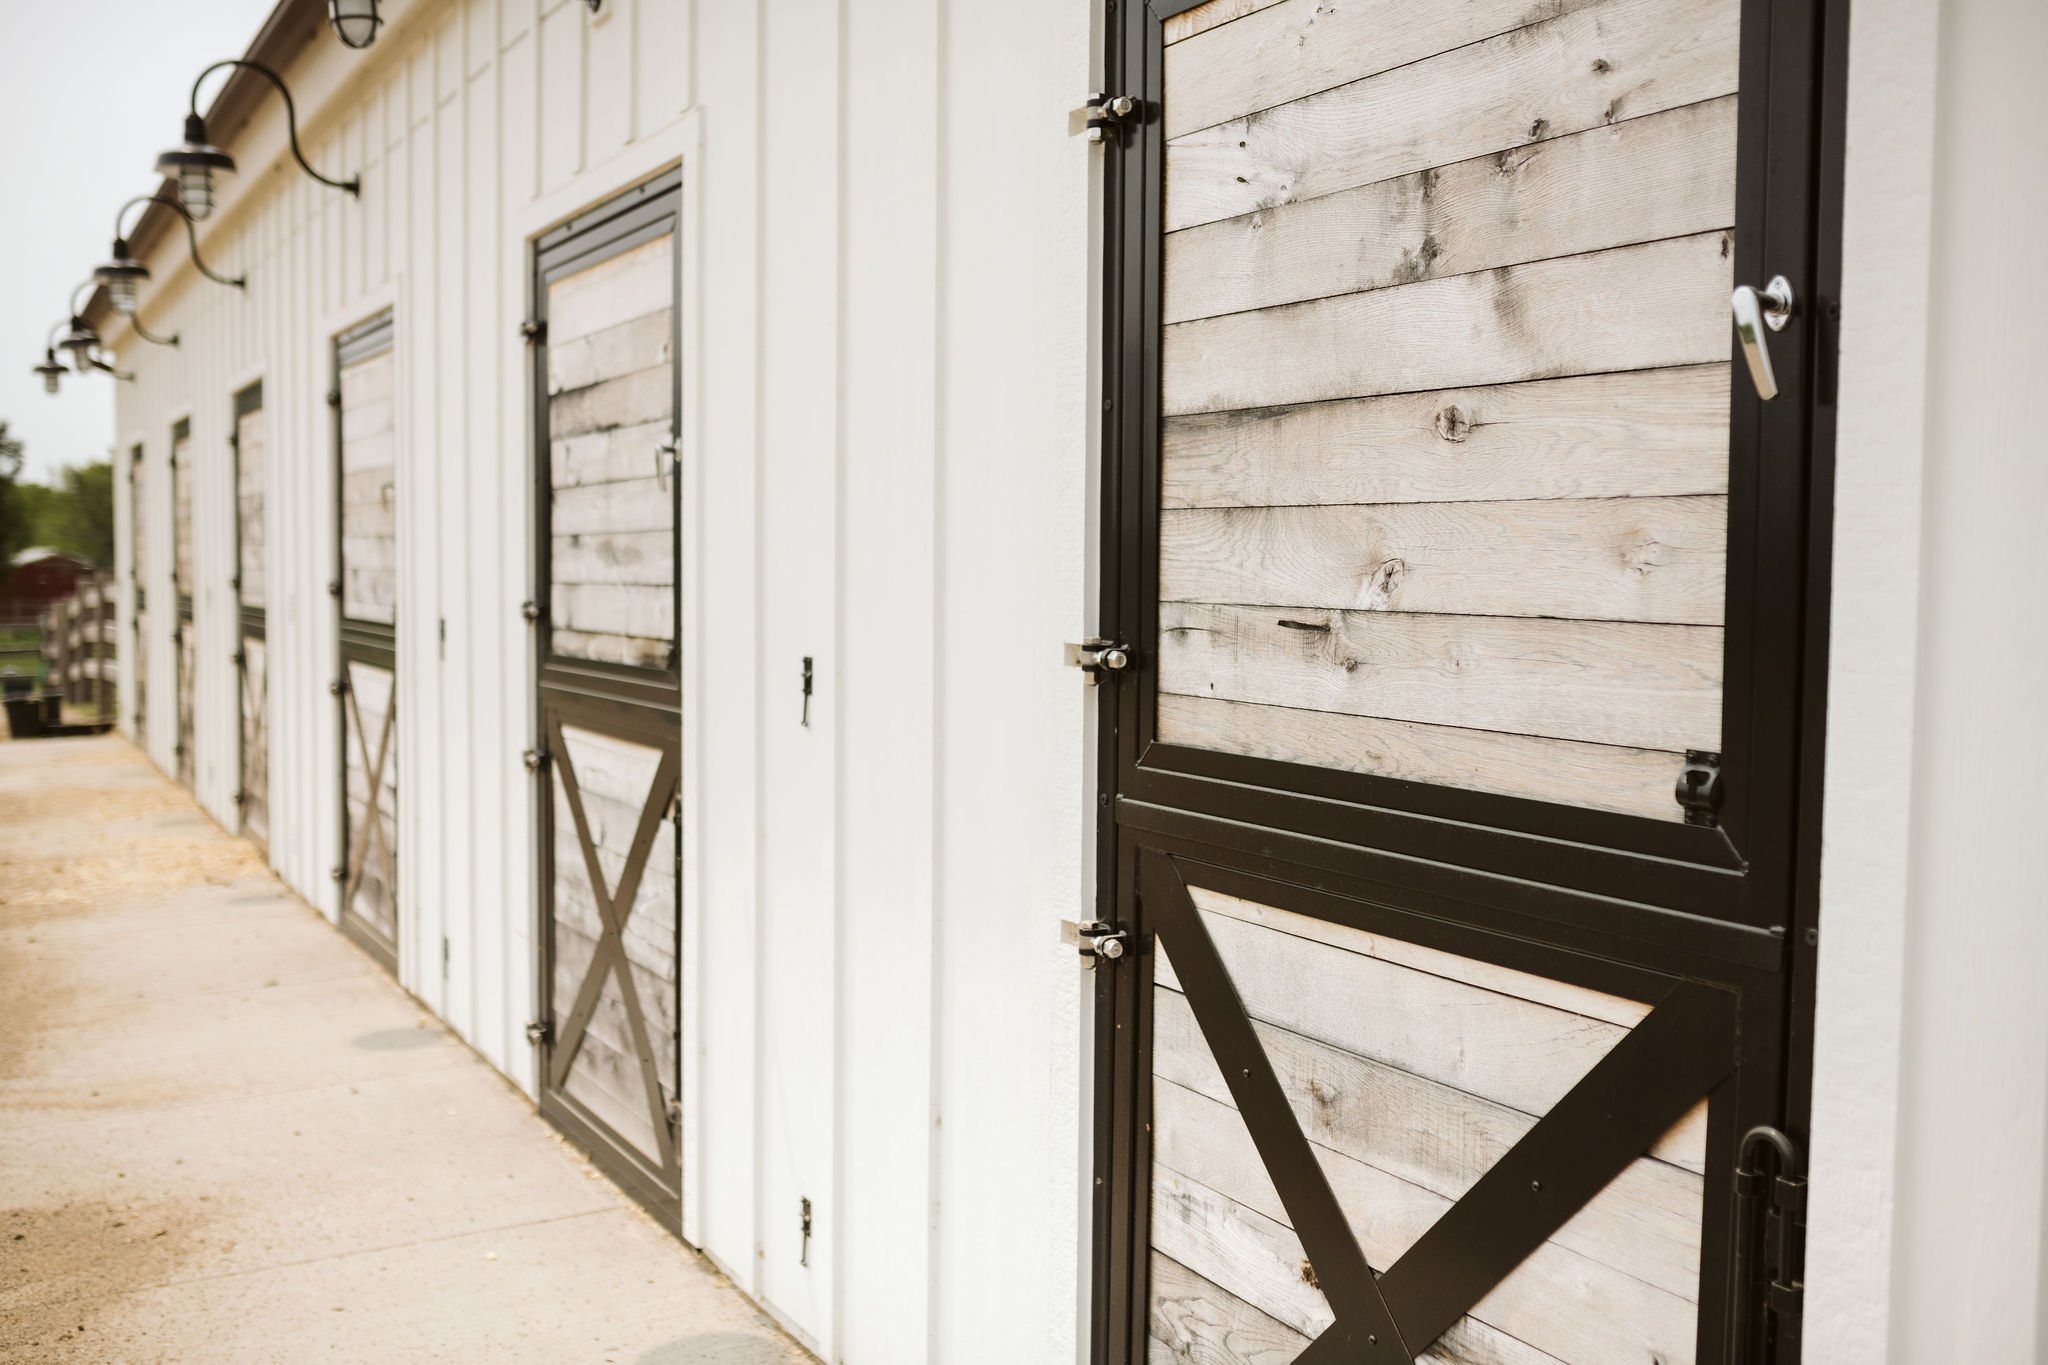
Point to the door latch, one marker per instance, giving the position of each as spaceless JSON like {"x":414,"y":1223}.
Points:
{"x":1754,"y":312}
{"x":1100,"y":112}
{"x":1094,"y":939}
{"x":1094,"y":657}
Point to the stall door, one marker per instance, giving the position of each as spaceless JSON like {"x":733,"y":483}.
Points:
{"x":366,"y":582}
{"x":1452,"y":682}
{"x":609,"y":755}
{"x":182,"y":582}
{"x":251,"y":587}
{"x":137,"y":664}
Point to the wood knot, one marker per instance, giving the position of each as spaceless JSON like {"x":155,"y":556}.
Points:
{"x":1537,"y":128}
{"x":1452,"y":424}
{"x":1308,"y":1275}
{"x":1601,"y":66}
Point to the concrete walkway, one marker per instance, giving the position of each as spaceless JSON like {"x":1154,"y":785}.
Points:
{"x":225,"y":1135}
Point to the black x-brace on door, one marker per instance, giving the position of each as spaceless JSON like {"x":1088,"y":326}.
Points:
{"x":1468,"y":446}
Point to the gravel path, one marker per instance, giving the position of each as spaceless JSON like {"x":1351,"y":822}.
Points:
{"x":226,"y":1136}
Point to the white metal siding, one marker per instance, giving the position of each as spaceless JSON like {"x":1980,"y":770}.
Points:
{"x":885,"y":349}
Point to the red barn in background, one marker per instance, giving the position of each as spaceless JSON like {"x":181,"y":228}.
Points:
{"x":37,"y":578}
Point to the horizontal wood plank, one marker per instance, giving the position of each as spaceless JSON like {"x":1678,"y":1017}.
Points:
{"x":1191,"y":1319}
{"x":1283,"y":52}
{"x":368,"y":382}
{"x":1601,"y":64}
{"x":1593,"y":776}
{"x":600,"y":609}
{"x":640,"y":343}
{"x":618,"y":558}
{"x":641,"y":504}
{"x":1606,"y":682}
{"x":1610,"y":559}
{"x":610,"y":649}
{"x":615,"y":290}
{"x":610,"y":455}
{"x":1641,"y":433}
{"x":629,"y":401}
{"x":1636,"y":307}
{"x":1202,"y":18}
{"x":1670,"y":174}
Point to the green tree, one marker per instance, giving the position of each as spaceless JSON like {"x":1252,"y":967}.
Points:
{"x":14,"y":511}
{"x":77,"y":516}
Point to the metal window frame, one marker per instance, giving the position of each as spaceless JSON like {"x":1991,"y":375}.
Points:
{"x":1580,"y":895}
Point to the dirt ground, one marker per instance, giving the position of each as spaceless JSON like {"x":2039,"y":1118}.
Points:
{"x":227,"y":1136}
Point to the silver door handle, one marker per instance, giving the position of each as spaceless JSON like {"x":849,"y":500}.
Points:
{"x":1754,"y":311}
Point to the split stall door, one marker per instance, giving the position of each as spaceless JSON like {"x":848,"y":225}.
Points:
{"x":252,"y":657}
{"x":182,"y":582}
{"x":366,"y":584}
{"x":1458,"y":562}
{"x":609,"y":754}
{"x":137,"y":663}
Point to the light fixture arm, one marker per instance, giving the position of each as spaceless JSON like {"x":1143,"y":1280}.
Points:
{"x":135,"y":325}
{"x":77,"y":307}
{"x":191,"y":234}
{"x":354,"y":184}
{"x":105,"y":368}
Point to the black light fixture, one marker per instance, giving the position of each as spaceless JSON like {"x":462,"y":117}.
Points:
{"x":81,"y":340}
{"x":195,"y":160}
{"x":355,"y":21}
{"x":122,"y":272}
{"x":50,"y":370}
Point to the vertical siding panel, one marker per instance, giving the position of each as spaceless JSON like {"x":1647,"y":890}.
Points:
{"x":608,"y":81}
{"x":663,"y":64}
{"x":561,"y":91}
{"x":887,"y":561}
{"x":800,"y":438}
{"x":490,"y":608}
{"x":519,"y":151}
{"x":729,"y":705}
{"x":454,"y":795}
{"x":420,"y":947}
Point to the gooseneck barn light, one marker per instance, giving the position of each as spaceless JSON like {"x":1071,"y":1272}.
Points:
{"x":195,"y":160}
{"x":355,"y":21}
{"x":50,"y":370}
{"x":122,"y":272}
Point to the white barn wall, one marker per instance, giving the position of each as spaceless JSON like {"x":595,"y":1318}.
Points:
{"x":885,"y":452}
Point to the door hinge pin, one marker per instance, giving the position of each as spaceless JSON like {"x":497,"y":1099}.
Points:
{"x":540,"y":1032}
{"x":1094,"y":939}
{"x":530,"y":610}
{"x":534,"y":329}
{"x":534,"y":759}
{"x":1096,"y":657}
{"x":1097,"y":112}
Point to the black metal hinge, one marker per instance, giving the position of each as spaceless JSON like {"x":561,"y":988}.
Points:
{"x":1099,"y":113}
{"x":540,"y":1032}
{"x":535,"y":330}
{"x":534,"y":759}
{"x":1699,"y":787}
{"x":334,"y":398}
{"x":1770,"y":1246}
{"x":530,"y":610}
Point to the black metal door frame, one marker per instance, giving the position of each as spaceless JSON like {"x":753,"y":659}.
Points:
{"x":370,"y":642}
{"x":1713,"y":923}
{"x":253,"y":621}
{"x":138,"y":537}
{"x":643,"y":705}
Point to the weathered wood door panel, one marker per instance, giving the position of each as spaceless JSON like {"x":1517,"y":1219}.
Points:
{"x":183,"y":581}
{"x":366,"y":586}
{"x":609,"y":755}
{"x":251,"y":445}
{"x":1452,"y":783}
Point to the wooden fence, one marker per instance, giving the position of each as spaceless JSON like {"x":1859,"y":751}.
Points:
{"x":79,"y":636}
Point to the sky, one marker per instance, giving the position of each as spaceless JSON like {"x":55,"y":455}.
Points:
{"x":90,"y":93}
